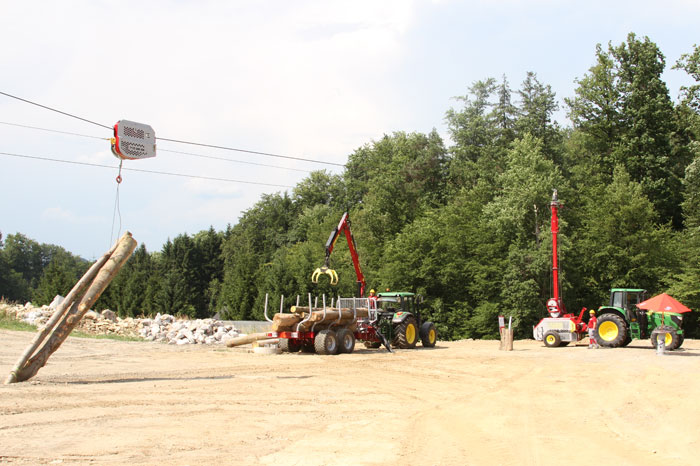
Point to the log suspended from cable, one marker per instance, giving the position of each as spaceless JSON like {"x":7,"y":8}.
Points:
{"x":68,"y":314}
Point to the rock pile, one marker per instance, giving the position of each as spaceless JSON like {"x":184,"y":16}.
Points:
{"x":163,"y":328}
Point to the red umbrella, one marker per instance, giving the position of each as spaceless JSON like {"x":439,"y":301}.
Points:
{"x":663,"y":303}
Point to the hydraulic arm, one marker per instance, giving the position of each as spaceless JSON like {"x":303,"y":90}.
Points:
{"x":343,"y":227}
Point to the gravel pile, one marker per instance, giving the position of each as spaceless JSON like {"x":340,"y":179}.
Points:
{"x":163,"y":328}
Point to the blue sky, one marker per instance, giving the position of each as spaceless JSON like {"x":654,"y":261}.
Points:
{"x":310,"y":79}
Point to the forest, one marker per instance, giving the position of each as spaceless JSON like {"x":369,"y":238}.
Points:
{"x":464,"y":223}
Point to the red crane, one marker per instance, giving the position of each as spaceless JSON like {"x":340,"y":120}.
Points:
{"x":343,"y":227}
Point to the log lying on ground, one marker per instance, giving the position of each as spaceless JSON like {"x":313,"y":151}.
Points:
{"x":246,"y":339}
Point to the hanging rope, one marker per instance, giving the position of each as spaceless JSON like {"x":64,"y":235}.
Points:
{"x":117,"y":210}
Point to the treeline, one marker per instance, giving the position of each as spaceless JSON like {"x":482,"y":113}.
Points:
{"x":467,"y":225}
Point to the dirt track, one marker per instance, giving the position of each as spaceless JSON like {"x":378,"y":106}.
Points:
{"x":107,"y":402}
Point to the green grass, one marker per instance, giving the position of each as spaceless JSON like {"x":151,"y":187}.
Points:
{"x":8,"y":322}
{"x":79,"y":334}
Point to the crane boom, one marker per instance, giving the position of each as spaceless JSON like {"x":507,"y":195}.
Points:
{"x":344,"y":228}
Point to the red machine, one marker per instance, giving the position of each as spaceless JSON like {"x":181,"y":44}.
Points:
{"x":343,"y":227}
{"x":560,"y":329}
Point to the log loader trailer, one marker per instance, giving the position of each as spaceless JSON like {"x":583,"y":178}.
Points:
{"x":392,"y":319}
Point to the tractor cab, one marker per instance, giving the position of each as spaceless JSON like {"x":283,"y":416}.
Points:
{"x":399,"y":302}
{"x":627,"y":298}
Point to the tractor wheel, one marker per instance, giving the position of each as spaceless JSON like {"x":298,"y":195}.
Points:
{"x":681,"y":339}
{"x":326,"y":342}
{"x":373,"y":344}
{"x":428,"y":334}
{"x":289,"y":345}
{"x":552,"y":339}
{"x":671,"y":339}
{"x":564,"y":343}
{"x":346,"y":340}
{"x":406,"y":334}
{"x":611,"y":331}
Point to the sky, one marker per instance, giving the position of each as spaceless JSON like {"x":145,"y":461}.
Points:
{"x":305,"y":79}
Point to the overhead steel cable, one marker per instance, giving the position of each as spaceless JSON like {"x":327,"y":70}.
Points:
{"x":55,"y":110}
{"x":160,"y":150}
{"x":178,"y":141}
{"x":213,"y":157}
{"x":111,"y":167}
{"x":268,"y":154}
{"x":53,"y":131}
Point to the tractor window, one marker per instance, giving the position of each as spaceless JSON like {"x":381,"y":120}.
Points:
{"x":616,"y":299}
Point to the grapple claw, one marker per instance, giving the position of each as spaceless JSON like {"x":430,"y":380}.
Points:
{"x":325,"y":271}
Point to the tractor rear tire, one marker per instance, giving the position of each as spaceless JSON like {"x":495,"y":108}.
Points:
{"x":552,"y":339}
{"x":326,"y":342}
{"x":672,"y":340}
{"x":346,"y":341}
{"x":289,"y":345}
{"x":428,"y":334}
{"x":611,"y":331}
{"x":406,"y":334}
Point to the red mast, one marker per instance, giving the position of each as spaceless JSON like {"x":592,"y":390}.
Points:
{"x":555,"y":305}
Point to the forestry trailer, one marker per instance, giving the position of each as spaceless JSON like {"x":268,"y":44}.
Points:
{"x":392,"y":319}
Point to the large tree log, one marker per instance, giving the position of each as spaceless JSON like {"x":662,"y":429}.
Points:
{"x":75,"y":294}
{"x":244,"y":340}
{"x":291,"y":324}
{"x":317,"y":314}
{"x":69,"y":320}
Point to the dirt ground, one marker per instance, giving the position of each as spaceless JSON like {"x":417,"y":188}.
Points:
{"x":461,"y":403}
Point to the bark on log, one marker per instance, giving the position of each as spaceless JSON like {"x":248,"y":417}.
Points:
{"x":79,"y":306}
{"x":317,"y":314}
{"x":244,"y":340}
{"x":75,"y":294}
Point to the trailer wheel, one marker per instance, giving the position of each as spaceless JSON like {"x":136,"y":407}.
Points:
{"x":346,"y":341}
{"x":552,"y":339}
{"x":326,"y":342}
{"x":428,"y":334}
{"x":611,"y":331}
{"x":289,"y":345}
{"x":406,"y":334}
{"x":671,"y":339}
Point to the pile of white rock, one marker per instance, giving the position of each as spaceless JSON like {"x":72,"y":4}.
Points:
{"x":166,"y":328}
{"x":163,"y":328}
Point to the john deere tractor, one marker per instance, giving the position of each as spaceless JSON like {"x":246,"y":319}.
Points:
{"x":621,"y":321}
{"x":399,"y":322}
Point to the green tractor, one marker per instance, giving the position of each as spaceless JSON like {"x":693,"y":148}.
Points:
{"x":621,"y":321}
{"x":399,"y":323}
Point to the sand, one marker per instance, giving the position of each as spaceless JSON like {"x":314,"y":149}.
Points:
{"x":461,"y":403}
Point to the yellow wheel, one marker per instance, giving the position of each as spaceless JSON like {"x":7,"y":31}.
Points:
{"x":608,"y":331}
{"x":405,"y":333}
{"x":552,"y":339}
{"x":611,"y":331}
{"x":428,"y":334}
